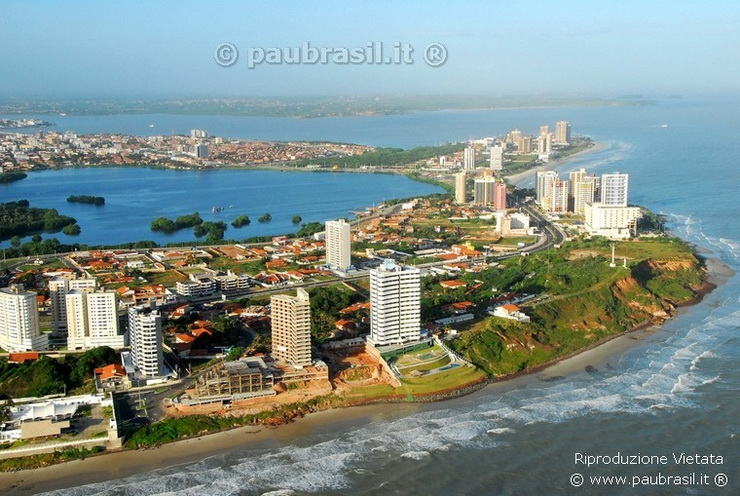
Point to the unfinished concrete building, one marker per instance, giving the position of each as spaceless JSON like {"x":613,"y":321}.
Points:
{"x":240,"y":379}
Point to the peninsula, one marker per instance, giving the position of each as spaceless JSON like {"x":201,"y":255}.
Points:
{"x":506,"y":284}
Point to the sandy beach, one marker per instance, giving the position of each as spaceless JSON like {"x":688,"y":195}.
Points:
{"x":517,"y":178}
{"x":131,"y":462}
{"x":121,"y":464}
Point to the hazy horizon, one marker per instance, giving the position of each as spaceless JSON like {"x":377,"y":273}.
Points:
{"x":166,"y":50}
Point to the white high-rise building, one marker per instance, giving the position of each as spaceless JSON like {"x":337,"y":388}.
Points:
{"x":59,"y":286}
{"x":338,"y":246}
{"x":145,"y":335}
{"x":395,"y":304}
{"x":575,"y":177}
{"x":497,"y":157}
{"x":19,"y":321}
{"x":460,"y":195}
{"x":614,"y":189}
{"x":291,"y":328}
{"x":614,"y":222}
{"x":543,"y":186}
{"x":583,"y":193}
{"x":562,"y":133}
{"x":469,"y":158}
{"x":198,"y":133}
{"x":92,"y":320}
{"x":558,"y":197}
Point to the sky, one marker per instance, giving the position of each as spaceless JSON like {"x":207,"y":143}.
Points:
{"x":165,"y":49}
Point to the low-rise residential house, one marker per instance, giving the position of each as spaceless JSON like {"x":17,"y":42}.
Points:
{"x":511,"y":312}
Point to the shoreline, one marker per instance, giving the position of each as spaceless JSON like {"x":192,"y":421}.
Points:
{"x":131,"y":462}
{"x":126,"y":463}
{"x":519,"y":177}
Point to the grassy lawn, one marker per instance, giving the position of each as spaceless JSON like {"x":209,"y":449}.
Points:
{"x":251,"y":266}
{"x":52,"y":264}
{"x":420,"y":356}
{"x":514,"y":241}
{"x":370,"y":392}
{"x":444,"y":380}
{"x":655,"y":249}
{"x":45,"y":322}
{"x":166,"y":278}
{"x":441,"y":362}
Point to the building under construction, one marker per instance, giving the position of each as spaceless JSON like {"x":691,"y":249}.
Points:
{"x":240,"y":379}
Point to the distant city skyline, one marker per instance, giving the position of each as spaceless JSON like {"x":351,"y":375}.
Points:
{"x":166,"y":50}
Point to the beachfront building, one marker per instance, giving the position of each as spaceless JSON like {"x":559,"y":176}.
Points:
{"x":614,"y":189}
{"x":543,"y":186}
{"x":544,"y":146}
{"x":460,"y":179}
{"x":291,"y":328}
{"x":524,"y":145}
{"x":19,"y":321}
{"x":240,"y":379}
{"x":614,"y":222}
{"x":92,"y":320}
{"x":575,"y":177}
{"x":552,"y":192}
{"x":59,"y":286}
{"x":338,"y":246}
{"x":583,"y":192}
{"x":496,"y":159}
{"x":395,"y":311}
{"x":513,"y":137}
{"x":510,"y":312}
{"x":558,"y":197}
{"x":583,"y":189}
{"x":145,"y":334}
{"x":562,"y":133}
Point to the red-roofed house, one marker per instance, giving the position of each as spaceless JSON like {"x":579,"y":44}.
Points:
{"x":198,"y":332}
{"x":461,"y":306}
{"x":453,"y":284}
{"x":344,"y":324}
{"x":111,"y":376}
{"x":511,"y":312}
{"x":29,"y":356}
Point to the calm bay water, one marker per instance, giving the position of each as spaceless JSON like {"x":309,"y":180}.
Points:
{"x":134,"y":197}
{"x":675,"y":391}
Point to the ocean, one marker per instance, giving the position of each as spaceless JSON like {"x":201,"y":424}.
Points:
{"x":675,"y":391}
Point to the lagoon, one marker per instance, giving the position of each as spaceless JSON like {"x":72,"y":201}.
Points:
{"x":135,"y":196}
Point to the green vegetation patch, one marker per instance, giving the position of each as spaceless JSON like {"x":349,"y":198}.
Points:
{"x":92,"y":200}
{"x":388,"y":156}
{"x":51,"y":375}
{"x":587,"y":300}
{"x":46,"y":459}
{"x":20,"y":219}
{"x":196,"y":425}
{"x":165,"y":225}
{"x":10,"y":177}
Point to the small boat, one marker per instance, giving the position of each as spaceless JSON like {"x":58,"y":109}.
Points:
{"x":151,"y":125}
{"x":664,"y":125}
